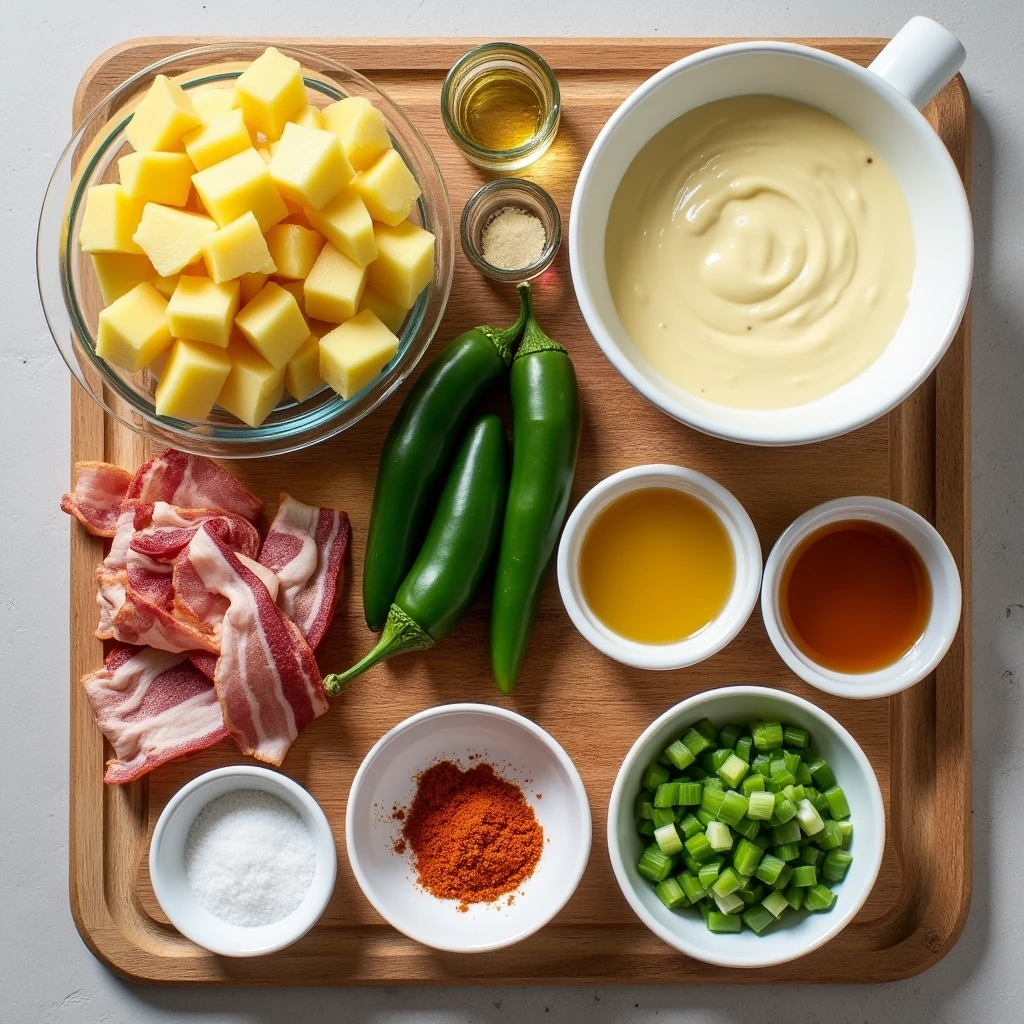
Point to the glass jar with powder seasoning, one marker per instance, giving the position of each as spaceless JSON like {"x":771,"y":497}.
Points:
{"x":511,"y":230}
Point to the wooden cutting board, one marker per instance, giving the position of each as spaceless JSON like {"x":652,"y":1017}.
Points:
{"x":919,"y":742}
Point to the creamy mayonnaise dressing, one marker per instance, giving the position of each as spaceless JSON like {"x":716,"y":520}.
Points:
{"x":759,"y":252}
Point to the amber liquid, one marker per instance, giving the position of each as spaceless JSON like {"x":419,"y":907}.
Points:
{"x":657,"y":566}
{"x":855,"y":596}
{"x":501,"y":110}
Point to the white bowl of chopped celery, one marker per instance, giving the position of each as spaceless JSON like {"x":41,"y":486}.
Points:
{"x":746,"y":827}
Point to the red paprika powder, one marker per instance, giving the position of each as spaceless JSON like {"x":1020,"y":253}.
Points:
{"x":472,"y":833}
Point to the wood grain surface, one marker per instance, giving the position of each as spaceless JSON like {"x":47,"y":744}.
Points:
{"x":919,"y":455}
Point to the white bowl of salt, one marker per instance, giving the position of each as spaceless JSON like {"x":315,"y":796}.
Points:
{"x":243,"y":861}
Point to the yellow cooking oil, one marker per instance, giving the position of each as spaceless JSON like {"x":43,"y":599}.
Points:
{"x":657,"y":565}
{"x":501,"y":110}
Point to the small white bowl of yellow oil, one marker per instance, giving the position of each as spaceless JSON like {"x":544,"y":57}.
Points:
{"x":659,"y":567}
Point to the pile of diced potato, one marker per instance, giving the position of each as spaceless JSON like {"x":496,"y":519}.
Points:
{"x":254,"y":243}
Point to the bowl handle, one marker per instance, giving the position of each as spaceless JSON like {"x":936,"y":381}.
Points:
{"x":920,"y":59}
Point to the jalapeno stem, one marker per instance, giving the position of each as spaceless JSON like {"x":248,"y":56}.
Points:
{"x":504,"y":340}
{"x":401,"y":634}
{"x":534,"y":338}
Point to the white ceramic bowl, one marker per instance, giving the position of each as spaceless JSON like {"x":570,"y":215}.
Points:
{"x":880,"y":103}
{"x":942,"y":624}
{"x":746,"y":551}
{"x":521,"y":752}
{"x":798,"y":933}
{"x":171,"y":886}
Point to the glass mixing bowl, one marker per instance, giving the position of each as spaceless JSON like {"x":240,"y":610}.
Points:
{"x":70,"y":292}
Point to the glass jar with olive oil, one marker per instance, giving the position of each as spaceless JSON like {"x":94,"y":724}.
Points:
{"x":501,"y":106}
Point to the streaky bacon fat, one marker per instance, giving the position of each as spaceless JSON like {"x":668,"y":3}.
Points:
{"x":100,"y":488}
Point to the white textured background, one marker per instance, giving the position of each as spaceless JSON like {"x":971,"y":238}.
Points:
{"x":46,"y":974}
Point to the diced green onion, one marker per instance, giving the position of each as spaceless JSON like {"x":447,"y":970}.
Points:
{"x":695,"y":742}
{"x":746,"y":857}
{"x":767,"y":735}
{"x":728,"y":735}
{"x":691,"y":885}
{"x":846,"y":831}
{"x":723,"y":922}
{"x":835,"y":865}
{"x":819,"y":898}
{"x":836,"y":800}
{"x":769,"y":868}
{"x":671,"y":893}
{"x":747,"y":827}
{"x":795,"y":897}
{"x":663,"y":816}
{"x":699,"y":848}
{"x":665,"y":795}
{"x":832,"y":838}
{"x":734,"y":807}
{"x":805,"y":876}
{"x":775,"y":903}
{"x":811,"y":855}
{"x":719,"y":836}
{"x":757,"y":918}
{"x":668,"y":839}
{"x":794,"y":736}
{"x":742,"y":748}
{"x":690,"y":826}
{"x":808,"y":817}
{"x":787,"y":833}
{"x":732,"y":770}
{"x":709,"y":871}
{"x":705,"y":817}
{"x":689,"y":794}
{"x":752,"y":784}
{"x":727,"y":881}
{"x":822,"y":774}
{"x":712,"y":800}
{"x":645,"y":827}
{"x":679,"y":754}
{"x":655,"y":775}
{"x":654,"y":864}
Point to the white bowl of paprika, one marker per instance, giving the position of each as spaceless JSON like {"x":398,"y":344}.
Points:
{"x":468,"y":827}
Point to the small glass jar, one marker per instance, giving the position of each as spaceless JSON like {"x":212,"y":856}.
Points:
{"x":486,"y":66}
{"x":487,"y":202}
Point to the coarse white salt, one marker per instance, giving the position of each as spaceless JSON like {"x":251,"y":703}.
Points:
{"x":249,"y":858}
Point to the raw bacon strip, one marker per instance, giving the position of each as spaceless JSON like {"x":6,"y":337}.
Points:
{"x":192,"y":481}
{"x":100,"y":488}
{"x":305,"y":548}
{"x":170,"y":529}
{"x":141,"y":622}
{"x":153,"y":707}
{"x":205,"y":662}
{"x":267,"y":678}
{"x":112,"y":573}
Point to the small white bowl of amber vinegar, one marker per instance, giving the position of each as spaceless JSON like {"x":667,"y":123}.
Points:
{"x":722,"y":604}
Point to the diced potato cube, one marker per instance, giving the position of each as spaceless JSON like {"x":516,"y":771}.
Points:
{"x":345,"y":223}
{"x":308,"y":166}
{"x":273,"y":324}
{"x":265,"y":154}
{"x":194,"y":204}
{"x":388,"y":189}
{"x":171,"y":238}
{"x":203,"y":310}
{"x":293,"y":249}
{"x":271,"y":92}
{"x":251,"y":285}
{"x":354,"y":353}
{"x":166,"y":285}
{"x":237,"y":185}
{"x":309,"y":117}
{"x":302,"y":374}
{"x":334,"y":286}
{"x":253,"y":386}
{"x":217,"y":139}
{"x":191,"y":380}
{"x":110,"y":220}
{"x":360,"y":128}
{"x":133,"y":329}
{"x":119,"y":272}
{"x":156,"y":177}
{"x":405,"y":262}
{"x":209,"y":101}
{"x":163,"y":117}
{"x":238,"y":248}
{"x":296,"y":289}
{"x":389,"y":313}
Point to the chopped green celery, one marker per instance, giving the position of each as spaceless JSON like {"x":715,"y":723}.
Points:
{"x":812,"y":838}
{"x":689,"y":794}
{"x":775,"y":903}
{"x":749,"y":896}
{"x":699,"y":848}
{"x":747,"y":827}
{"x":846,"y":831}
{"x":665,"y":795}
{"x":643,"y":806}
{"x":819,"y":802}
{"x":836,"y":800}
{"x":654,"y":864}
{"x":728,"y":735}
{"x":671,"y":893}
{"x":795,"y":793}
{"x":757,"y":919}
{"x":778,"y":764}
{"x":723,"y":922}
{"x":805,"y":876}
{"x":803,"y":774}
{"x":712,"y":800}
{"x":835,"y":865}
{"x":706,"y":762}
{"x":762,"y":765}
{"x":662,"y":759}
{"x":679,"y":754}
{"x":784,"y":851}
{"x":811,"y":855}
{"x":730,"y":904}
{"x":785,"y":877}
{"x":787,"y":833}
{"x":795,"y":897}
{"x":705,"y":908}
{"x":769,"y":868}
{"x":709,"y":871}
{"x":719,"y":757}
{"x":690,"y":826}
{"x":746,"y":857}
{"x":784,"y":810}
{"x":655,"y":775}
{"x":767,"y":735}
{"x":663,"y":816}
{"x":809,"y":818}
{"x":780,"y":780}
{"x":668,"y":839}
{"x":691,"y":862}
{"x":734,"y":807}
{"x":794,"y":736}
{"x":705,"y":817}
{"x":742,"y":748}
{"x":695,"y":742}
{"x":822,"y":774}
{"x":645,"y":827}
{"x":732,"y":770}
{"x":833,"y":836}
{"x":752,"y":784}
{"x":726,"y":882}
{"x":762,"y":839}
{"x":712,"y":782}
{"x":719,"y":836}
{"x":793,"y":761}
{"x":707,"y":729}
{"x":691,"y":885}
{"x":819,"y":898}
